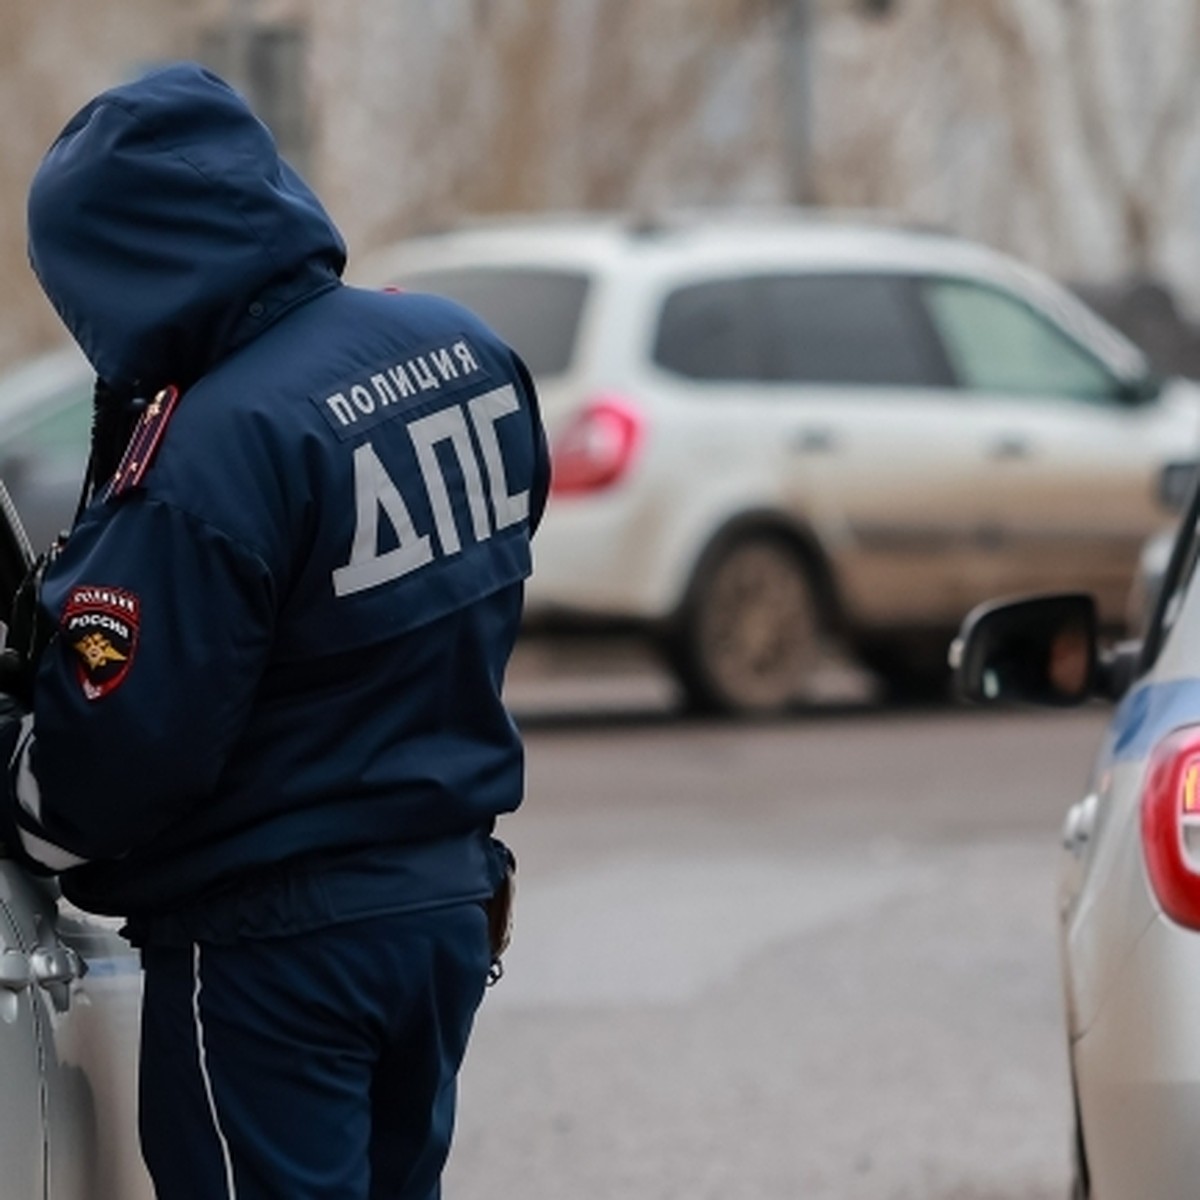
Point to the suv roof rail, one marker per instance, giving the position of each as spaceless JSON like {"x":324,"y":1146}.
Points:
{"x":658,"y":221}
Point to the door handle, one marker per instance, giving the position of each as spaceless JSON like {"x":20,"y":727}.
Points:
{"x":55,"y":968}
{"x":56,"y":964}
{"x":1010,"y":446}
{"x":814,"y":439}
{"x":16,"y":973}
{"x":1080,"y":824}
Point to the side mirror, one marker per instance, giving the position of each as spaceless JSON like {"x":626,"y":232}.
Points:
{"x":1036,"y":650}
{"x":1175,"y":483}
{"x":1140,"y":389}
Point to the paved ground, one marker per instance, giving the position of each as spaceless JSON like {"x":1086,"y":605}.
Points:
{"x":806,"y":959}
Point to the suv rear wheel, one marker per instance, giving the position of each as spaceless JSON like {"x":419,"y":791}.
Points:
{"x":749,"y":635}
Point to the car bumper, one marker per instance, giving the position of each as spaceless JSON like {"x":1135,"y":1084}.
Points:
{"x":602,"y":558}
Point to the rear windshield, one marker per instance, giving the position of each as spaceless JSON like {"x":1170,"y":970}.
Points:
{"x":535,"y":310}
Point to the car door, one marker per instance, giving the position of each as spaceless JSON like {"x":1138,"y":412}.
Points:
{"x":67,"y":1107}
{"x":72,"y":988}
{"x":872,"y":426}
{"x":22,"y":1110}
{"x":1069,"y":480}
{"x":92,"y":1073}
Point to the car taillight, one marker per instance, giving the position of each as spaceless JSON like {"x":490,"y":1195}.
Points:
{"x":596,"y":449}
{"x":1171,"y":824}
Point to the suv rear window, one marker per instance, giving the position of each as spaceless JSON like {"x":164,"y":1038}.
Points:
{"x":535,"y":310}
{"x":708,"y":331}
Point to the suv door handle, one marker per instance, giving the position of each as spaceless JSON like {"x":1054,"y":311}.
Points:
{"x":815,"y":439}
{"x":1009,"y":446}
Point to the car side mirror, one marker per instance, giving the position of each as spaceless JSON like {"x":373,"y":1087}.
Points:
{"x":1175,"y":483}
{"x":1036,"y":650}
{"x":1140,"y":389}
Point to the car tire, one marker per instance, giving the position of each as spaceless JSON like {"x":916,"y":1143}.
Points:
{"x":749,"y":635}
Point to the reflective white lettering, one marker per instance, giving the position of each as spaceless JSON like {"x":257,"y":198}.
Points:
{"x":486,"y":410}
{"x":449,"y":470}
{"x":399,"y":377}
{"x":449,"y":424}
{"x":383,"y":390}
{"x":340,"y":407}
{"x":463,"y":351}
{"x":367,"y":568}
{"x":445,"y":364}
{"x":426,"y":380}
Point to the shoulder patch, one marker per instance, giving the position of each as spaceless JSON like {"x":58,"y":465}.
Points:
{"x":101,"y":625}
{"x":144,"y":443}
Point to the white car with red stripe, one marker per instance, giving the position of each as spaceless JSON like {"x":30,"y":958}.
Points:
{"x":1129,"y":885}
{"x":771,"y":430}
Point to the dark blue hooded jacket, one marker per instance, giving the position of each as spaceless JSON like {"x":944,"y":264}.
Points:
{"x":273,"y":699}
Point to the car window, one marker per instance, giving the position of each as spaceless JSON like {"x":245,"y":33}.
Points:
{"x":852,"y":329}
{"x":707,"y":331}
{"x":997,"y":343}
{"x":535,"y":310}
{"x":59,"y":429}
{"x":803,"y":328}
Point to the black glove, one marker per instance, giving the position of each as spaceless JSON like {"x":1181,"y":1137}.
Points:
{"x":11,"y":713}
{"x":13,"y":681}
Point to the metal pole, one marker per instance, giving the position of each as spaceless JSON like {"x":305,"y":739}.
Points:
{"x":797,"y":94}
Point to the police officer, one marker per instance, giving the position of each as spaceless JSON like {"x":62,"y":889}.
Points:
{"x":267,"y":727}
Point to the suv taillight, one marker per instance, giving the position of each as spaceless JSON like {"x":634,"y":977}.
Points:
{"x":1171,"y":824}
{"x":596,"y":449}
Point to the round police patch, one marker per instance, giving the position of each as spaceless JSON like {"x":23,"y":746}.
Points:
{"x":100,"y":624}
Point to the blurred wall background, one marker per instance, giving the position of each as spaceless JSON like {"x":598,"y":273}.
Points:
{"x":1065,"y":131}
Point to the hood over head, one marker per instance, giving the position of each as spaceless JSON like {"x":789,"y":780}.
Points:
{"x":167,"y":231}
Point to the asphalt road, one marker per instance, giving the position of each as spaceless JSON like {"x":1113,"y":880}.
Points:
{"x":807,"y":959}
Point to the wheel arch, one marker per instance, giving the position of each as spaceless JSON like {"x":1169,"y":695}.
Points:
{"x":799,"y":536}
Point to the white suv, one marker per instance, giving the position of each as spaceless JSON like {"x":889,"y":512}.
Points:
{"x":770,"y":429}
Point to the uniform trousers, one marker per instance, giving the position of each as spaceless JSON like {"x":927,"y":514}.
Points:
{"x":317,"y":1066}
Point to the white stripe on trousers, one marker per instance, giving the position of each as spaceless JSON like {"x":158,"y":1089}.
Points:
{"x":202,"y":1054}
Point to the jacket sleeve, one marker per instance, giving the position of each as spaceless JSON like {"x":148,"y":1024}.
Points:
{"x":163,"y":625}
{"x":539,"y":493}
